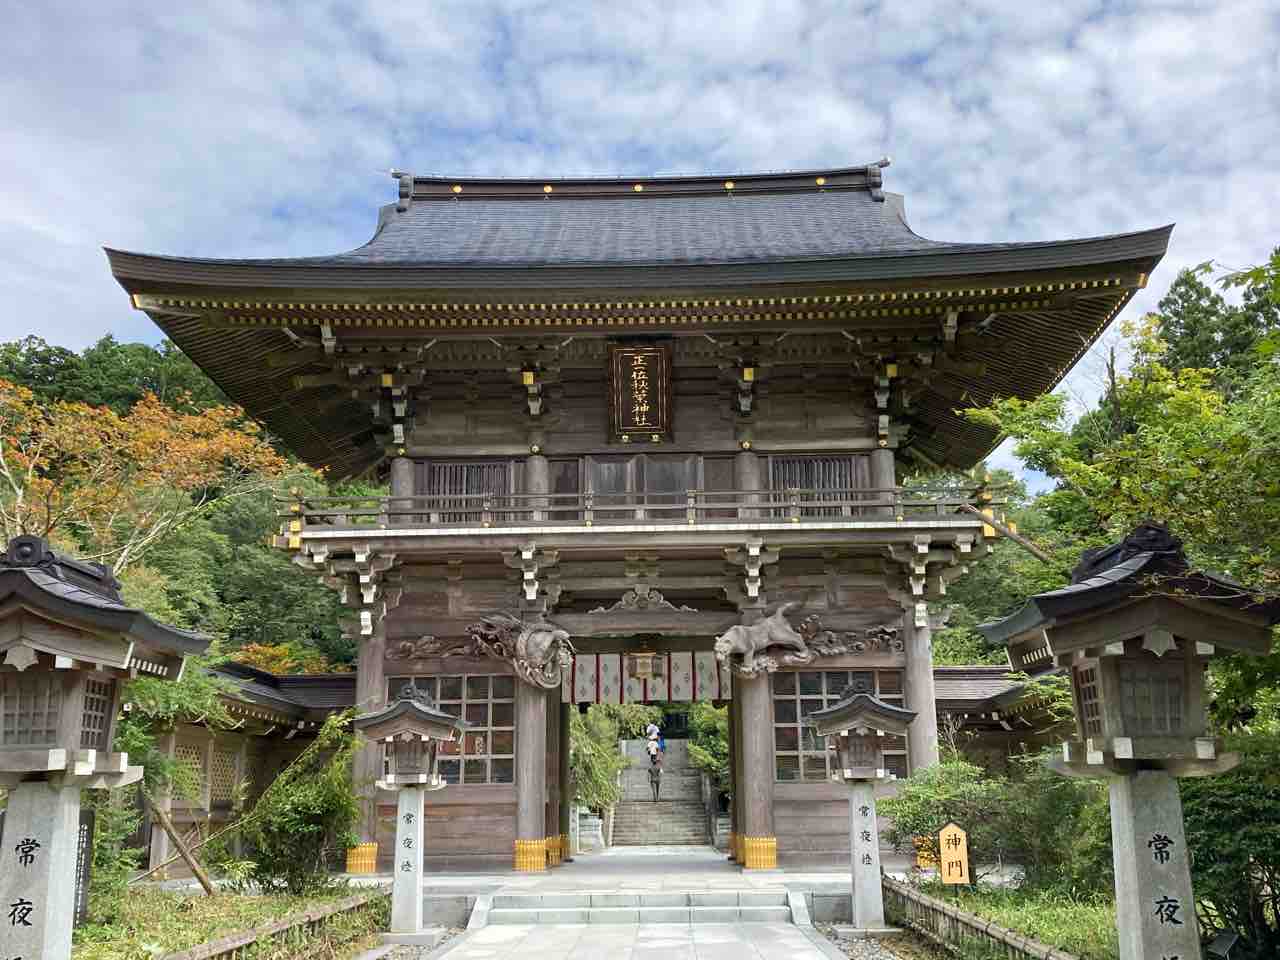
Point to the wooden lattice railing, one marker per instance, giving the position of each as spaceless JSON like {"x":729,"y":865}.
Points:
{"x":958,"y":931}
{"x":598,"y":509}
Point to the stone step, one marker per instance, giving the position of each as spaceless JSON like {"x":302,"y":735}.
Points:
{"x":728,"y":906}
{"x":644,"y":915}
{"x":645,"y":899}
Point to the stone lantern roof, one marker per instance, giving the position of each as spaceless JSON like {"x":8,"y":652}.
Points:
{"x":1145,"y":570}
{"x":36,"y":580}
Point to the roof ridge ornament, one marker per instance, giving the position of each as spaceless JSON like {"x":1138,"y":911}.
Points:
{"x":406,"y":189}
{"x":1149,"y":536}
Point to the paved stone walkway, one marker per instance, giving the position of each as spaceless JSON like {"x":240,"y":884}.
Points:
{"x":701,"y":941}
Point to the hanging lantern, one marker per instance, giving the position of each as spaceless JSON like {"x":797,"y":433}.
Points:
{"x":645,"y":665}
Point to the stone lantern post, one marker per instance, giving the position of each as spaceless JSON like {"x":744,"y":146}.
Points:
{"x":1135,"y":631}
{"x":67,"y":640}
{"x":858,"y":724}
{"x":411,"y":730}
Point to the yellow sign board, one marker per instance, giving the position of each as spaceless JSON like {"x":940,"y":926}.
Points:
{"x":953,"y":854}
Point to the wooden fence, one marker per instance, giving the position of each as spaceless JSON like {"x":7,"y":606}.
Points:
{"x":957,"y":931}
{"x":299,"y":931}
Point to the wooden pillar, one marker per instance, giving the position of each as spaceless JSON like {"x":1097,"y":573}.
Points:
{"x":566,"y":790}
{"x":552,"y":811}
{"x":746,"y":476}
{"x":537,"y":479}
{"x":922,"y":735}
{"x":370,"y":695}
{"x":759,"y":842}
{"x":531,"y":778}
{"x":735,"y":792}
{"x":883,"y":477}
{"x":402,"y":484}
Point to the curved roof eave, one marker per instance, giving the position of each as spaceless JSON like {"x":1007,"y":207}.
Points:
{"x":138,"y":272}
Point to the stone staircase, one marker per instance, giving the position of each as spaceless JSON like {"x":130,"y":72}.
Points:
{"x":677,"y":817}
{"x":639,"y":822}
{"x":728,"y":906}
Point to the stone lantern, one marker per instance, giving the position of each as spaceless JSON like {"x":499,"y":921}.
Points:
{"x":411,"y":730}
{"x":1135,"y":631}
{"x":67,"y":641}
{"x":858,"y":724}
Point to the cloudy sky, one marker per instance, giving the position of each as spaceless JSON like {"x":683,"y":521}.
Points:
{"x":237,"y":129}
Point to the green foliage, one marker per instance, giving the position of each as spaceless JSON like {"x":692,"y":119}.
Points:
{"x":1060,"y":830}
{"x":109,"y":374}
{"x":214,"y":574}
{"x":953,"y":790}
{"x":1057,"y":829}
{"x":1181,"y":449}
{"x":630,"y":719}
{"x":709,"y":743}
{"x":116,"y":819}
{"x":1233,"y":827}
{"x":594,"y":759}
{"x":305,"y":817}
{"x":1083,"y":927}
{"x":1203,"y":331}
{"x":153,"y":922}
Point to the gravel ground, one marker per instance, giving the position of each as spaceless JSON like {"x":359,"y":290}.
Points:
{"x":889,"y":948}
{"x":418,"y":953}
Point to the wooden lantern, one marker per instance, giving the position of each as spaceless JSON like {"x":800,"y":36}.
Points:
{"x":858,"y":724}
{"x":1135,"y":632}
{"x":67,"y":640}
{"x":411,"y":730}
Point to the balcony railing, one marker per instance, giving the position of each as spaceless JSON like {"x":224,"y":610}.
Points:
{"x":603,"y":509}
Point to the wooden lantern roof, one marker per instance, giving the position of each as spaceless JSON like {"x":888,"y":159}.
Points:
{"x":1142,"y":583}
{"x":82,"y":616}
{"x":412,"y":715}
{"x":861,"y":711}
{"x":820,"y":252}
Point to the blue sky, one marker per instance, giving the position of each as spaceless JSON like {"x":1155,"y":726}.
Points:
{"x":262,"y":129}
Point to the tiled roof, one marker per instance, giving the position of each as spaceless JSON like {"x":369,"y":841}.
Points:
{"x":640,"y":230}
{"x":972,"y":687}
{"x":84,"y":592}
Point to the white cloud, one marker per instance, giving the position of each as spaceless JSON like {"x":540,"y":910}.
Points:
{"x":248,"y":128}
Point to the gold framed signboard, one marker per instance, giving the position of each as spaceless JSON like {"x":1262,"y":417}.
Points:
{"x":640,"y":392}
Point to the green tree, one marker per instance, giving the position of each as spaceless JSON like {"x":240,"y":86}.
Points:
{"x":709,"y":743}
{"x":594,"y":758}
{"x":109,"y":374}
{"x":1233,"y":825}
{"x":1203,"y":331}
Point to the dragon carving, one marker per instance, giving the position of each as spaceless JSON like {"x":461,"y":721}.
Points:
{"x":539,"y":652}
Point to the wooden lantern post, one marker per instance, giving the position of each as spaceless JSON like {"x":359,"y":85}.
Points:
{"x":411,"y":730}
{"x":1135,"y":631}
{"x":858,"y":723}
{"x":67,"y":641}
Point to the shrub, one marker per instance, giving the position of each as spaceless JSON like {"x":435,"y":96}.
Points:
{"x":1233,"y":831}
{"x":594,"y":760}
{"x":115,"y":821}
{"x":1057,"y":829}
{"x":709,"y":743}
{"x":306,"y":815}
{"x":953,"y":790}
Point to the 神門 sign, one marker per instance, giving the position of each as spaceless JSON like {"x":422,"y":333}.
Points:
{"x":640,"y":393}
{"x":953,"y":854}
